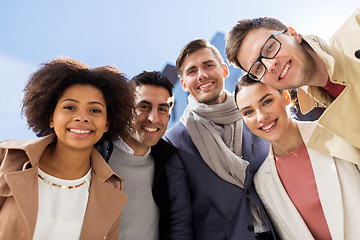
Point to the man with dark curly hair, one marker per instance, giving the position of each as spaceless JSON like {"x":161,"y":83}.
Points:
{"x":141,"y":158}
{"x":59,"y":186}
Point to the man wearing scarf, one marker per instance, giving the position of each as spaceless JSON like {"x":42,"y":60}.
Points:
{"x":211,"y":188}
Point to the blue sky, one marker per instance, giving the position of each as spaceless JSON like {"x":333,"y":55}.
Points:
{"x":132,"y":35}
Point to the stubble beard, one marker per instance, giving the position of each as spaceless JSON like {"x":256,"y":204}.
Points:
{"x":213,"y":99}
{"x":210,"y":101}
{"x":306,"y":74}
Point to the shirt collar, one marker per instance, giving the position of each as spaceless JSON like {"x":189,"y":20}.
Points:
{"x":126,"y":148}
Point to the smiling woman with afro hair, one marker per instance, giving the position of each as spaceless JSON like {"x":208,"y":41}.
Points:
{"x":47,"y":85}
{"x":59,"y":186}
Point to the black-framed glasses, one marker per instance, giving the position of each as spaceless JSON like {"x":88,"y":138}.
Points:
{"x":269,"y":50}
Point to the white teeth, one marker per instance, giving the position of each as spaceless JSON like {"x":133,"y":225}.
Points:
{"x":285,"y":70}
{"x":268,"y":126}
{"x":79,"y":131}
{"x":150,"y":129}
{"x":205,"y":85}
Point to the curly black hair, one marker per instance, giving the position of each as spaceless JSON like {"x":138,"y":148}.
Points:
{"x":46,"y":86}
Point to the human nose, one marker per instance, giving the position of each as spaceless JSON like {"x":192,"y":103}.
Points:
{"x":261,"y":116}
{"x":202,"y":75}
{"x":81,"y":117}
{"x":270,"y":64}
{"x":153,"y":116}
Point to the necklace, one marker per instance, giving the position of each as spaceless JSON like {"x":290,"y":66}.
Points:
{"x":60,"y":186}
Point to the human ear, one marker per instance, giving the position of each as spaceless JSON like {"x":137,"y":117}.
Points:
{"x":51,"y":122}
{"x":294,"y":34}
{"x":107,"y":127}
{"x":183,"y":84}
{"x":287,"y":97}
{"x":225,"y":71}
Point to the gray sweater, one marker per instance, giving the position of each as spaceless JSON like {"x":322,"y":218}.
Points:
{"x":140,"y":217}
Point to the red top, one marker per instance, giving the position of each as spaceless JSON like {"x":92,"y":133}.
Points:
{"x":297,"y":176}
{"x":333,"y":89}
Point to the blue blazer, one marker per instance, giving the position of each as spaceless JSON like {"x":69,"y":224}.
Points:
{"x":203,"y":205}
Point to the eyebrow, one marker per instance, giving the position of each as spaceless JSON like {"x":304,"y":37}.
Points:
{"x":208,"y":61}
{"x":190,"y":68}
{"x":265,"y":96}
{"x":204,"y":62}
{"x":260,"y":100}
{"x":76,"y":101}
{"x":149,"y":103}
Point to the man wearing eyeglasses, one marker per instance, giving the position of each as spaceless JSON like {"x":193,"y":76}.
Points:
{"x":325,"y":75}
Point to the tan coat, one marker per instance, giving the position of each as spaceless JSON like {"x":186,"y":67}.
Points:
{"x":342,"y":116}
{"x":19,"y":162}
{"x":338,"y":185}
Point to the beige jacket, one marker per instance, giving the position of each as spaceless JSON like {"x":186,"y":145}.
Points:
{"x":338,"y":185}
{"x":19,"y":162}
{"x":342,"y":116}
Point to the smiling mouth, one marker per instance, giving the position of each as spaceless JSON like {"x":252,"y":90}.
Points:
{"x":267,"y":127}
{"x":286,"y":69}
{"x":79,"y":131}
{"x":150,"y":129}
{"x":202,"y":87}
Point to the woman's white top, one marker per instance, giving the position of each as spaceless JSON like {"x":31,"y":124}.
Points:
{"x":61,"y":211}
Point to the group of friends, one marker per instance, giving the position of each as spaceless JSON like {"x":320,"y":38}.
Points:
{"x":236,"y":166}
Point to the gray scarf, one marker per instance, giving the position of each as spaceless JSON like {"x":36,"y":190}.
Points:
{"x":222,"y":156}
